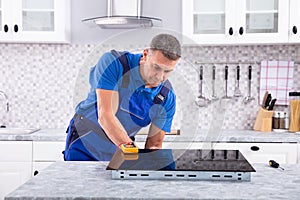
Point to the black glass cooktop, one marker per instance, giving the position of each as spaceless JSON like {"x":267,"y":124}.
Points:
{"x":181,"y":160}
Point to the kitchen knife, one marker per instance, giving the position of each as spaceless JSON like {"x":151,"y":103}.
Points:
{"x":268,"y":100}
{"x":271,"y":106}
{"x":264,"y":99}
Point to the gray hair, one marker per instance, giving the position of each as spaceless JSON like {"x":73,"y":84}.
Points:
{"x":168,"y":45}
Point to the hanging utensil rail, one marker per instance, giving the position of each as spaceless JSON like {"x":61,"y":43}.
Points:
{"x":233,"y":63}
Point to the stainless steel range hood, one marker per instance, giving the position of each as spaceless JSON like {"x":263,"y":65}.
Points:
{"x":124,"y":14}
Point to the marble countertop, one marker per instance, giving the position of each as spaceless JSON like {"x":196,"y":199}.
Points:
{"x":185,"y":136}
{"x":90,"y":180}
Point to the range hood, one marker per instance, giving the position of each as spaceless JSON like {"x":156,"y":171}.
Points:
{"x":124,"y":14}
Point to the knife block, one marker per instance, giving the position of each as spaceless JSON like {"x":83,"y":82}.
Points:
{"x":263,"y":120}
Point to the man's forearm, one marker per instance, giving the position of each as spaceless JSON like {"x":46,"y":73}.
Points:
{"x":155,"y":138}
{"x":113,"y":128}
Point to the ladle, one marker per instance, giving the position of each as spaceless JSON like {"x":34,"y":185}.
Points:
{"x":237,"y":91}
{"x":213,"y":97}
{"x":248,"y":98}
{"x":201,"y":101}
{"x":226,"y":85}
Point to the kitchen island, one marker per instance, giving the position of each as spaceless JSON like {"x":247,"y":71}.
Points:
{"x":90,"y":180}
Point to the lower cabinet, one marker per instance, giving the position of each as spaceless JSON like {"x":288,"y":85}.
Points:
{"x":21,"y":160}
{"x":15,"y":165}
{"x":263,"y":152}
{"x":45,"y":153}
{"x":12,"y":175}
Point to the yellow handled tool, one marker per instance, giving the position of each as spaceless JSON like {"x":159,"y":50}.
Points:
{"x":129,"y":147}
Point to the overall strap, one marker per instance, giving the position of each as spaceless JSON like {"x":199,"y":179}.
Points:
{"x":163,"y":93}
{"x":123,"y":59}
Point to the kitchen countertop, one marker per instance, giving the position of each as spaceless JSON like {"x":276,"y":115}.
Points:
{"x":186,"y":136}
{"x":90,"y":180}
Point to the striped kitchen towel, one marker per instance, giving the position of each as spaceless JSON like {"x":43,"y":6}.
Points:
{"x":276,"y":77}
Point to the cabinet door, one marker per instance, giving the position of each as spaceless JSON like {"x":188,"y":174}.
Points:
{"x":12,"y":175}
{"x":44,"y":20}
{"x":263,"y":152}
{"x":294,"y":26}
{"x":37,"y":21}
{"x":5,"y":19}
{"x":48,"y":151}
{"x":262,"y":21}
{"x":15,"y":165}
{"x":208,"y":22}
{"x":15,"y":151}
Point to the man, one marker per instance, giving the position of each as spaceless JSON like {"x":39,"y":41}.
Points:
{"x":128,"y":92}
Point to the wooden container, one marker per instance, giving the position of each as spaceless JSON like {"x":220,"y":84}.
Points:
{"x":263,"y":120}
{"x":294,"y":116}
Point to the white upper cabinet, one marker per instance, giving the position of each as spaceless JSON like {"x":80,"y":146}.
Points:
{"x":294,"y":26}
{"x":35,"y":21}
{"x":208,"y":22}
{"x":235,"y":21}
{"x":262,"y":21}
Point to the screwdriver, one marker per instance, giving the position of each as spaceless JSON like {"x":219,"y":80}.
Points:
{"x":274,"y":164}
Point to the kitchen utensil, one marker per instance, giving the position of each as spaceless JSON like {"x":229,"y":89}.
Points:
{"x":248,"y":98}
{"x":237,"y":92}
{"x":201,"y":101}
{"x":226,"y":84}
{"x":271,"y":106}
{"x":268,"y":100}
{"x":213,"y":97}
{"x":264,"y":99}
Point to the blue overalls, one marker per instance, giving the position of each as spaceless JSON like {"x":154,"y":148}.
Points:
{"x":87,"y":141}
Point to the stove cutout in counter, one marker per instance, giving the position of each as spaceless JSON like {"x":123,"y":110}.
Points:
{"x":182,"y":164}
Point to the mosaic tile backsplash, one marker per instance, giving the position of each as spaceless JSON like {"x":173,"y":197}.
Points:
{"x":45,"y":82}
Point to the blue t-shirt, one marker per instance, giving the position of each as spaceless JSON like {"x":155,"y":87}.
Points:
{"x":107,"y":74}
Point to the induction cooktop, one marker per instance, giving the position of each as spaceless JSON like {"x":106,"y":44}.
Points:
{"x":188,"y":164}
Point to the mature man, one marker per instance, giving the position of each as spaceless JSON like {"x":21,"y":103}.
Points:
{"x":128,"y":92}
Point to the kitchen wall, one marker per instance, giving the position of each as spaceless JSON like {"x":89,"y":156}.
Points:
{"x":44,"y":82}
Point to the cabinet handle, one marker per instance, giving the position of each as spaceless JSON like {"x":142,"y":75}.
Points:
{"x":295,"y":29}
{"x":254,"y":148}
{"x":35,"y":172}
{"x":230,"y":31}
{"x":16,"y":28}
{"x":241,"y":31}
{"x":5,"y":28}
